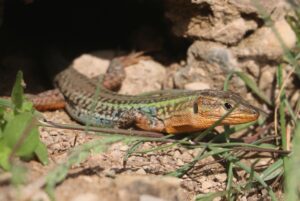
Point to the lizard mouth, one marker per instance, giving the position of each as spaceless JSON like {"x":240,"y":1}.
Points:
{"x":240,"y":118}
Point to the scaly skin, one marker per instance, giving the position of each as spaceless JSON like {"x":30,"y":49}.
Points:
{"x":170,"y":112}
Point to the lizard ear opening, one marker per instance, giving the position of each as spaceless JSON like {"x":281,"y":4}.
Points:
{"x":195,"y":107}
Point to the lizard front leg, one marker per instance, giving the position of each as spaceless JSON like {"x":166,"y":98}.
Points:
{"x":139,"y":119}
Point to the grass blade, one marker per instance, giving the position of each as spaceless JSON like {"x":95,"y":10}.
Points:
{"x":292,"y":183}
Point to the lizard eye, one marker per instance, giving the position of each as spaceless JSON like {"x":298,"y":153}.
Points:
{"x":227,"y":106}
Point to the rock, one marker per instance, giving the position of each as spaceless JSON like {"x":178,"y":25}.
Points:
{"x":208,"y":65}
{"x":232,"y":32}
{"x":134,"y":187}
{"x":141,"y":171}
{"x":228,"y":36}
{"x":93,"y":64}
{"x":211,"y":53}
{"x":264,"y":42}
{"x":145,"y":76}
{"x":226,"y":22}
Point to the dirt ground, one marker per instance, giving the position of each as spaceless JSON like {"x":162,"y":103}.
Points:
{"x":103,"y":176}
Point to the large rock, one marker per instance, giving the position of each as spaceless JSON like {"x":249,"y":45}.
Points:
{"x":230,"y":36}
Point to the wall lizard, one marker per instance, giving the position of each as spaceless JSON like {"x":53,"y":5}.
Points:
{"x":168,"y":112}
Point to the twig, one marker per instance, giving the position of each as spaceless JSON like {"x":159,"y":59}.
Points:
{"x":256,"y":149}
{"x":104,"y":130}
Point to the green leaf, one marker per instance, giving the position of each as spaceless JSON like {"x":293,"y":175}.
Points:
{"x":4,"y":156}
{"x":21,"y":132}
{"x":273,"y":171}
{"x":41,"y":153}
{"x":6,"y":103}
{"x":27,"y":106}
{"x":2,"y":120}
{"x":267,"y":146}
{"x":253,"y":86}
{"x":17,"y":94}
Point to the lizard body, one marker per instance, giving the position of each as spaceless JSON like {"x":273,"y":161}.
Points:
{"x":171,"y":112}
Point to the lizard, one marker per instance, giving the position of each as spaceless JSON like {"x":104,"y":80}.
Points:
{"x":171,"y":112}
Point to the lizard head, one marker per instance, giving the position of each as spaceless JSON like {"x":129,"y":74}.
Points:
{"x":213,"y":105}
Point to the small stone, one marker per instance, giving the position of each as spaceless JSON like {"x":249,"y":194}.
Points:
{"x":123,"y":148}
{"x":217,"y":199}
{"x":221,"y":177}
{"x":177,"y":154}
{"x":110,"y":173}
{"x":96,"y":64}
{"x":141,"y":171}
{"x":267,"y":77}
{"x":264,"y":192}
{"x":182,"y":62}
